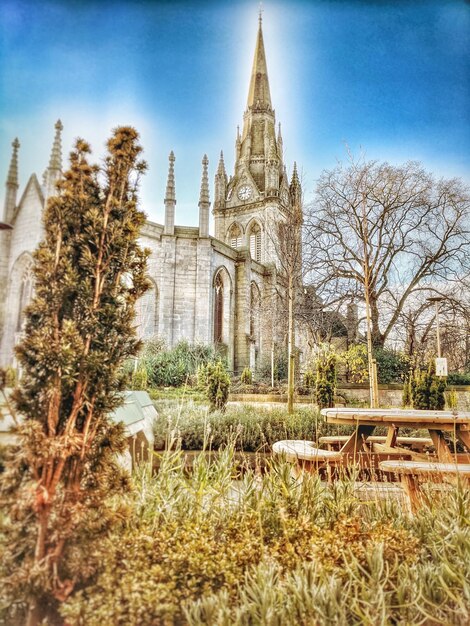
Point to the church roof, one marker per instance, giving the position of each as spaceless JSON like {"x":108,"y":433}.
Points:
{"x":34,"y":184}
{"x":259,"y":96}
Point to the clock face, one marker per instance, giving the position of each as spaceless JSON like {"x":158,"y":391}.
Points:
{"x":245,"y":192}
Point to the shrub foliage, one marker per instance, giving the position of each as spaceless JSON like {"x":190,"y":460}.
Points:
{"x":427,"y":389}
{"x":217,"y":386}
{"x":325,"y":384}
{"x":163,"y":367}
{"x":89,"y":272}
{"x":275,"y":552}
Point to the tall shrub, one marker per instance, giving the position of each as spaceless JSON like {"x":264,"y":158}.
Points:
{"x":247,"y":377}
{"x":89,"y":273}
{"x":218,"y":385}
{"x":325,"y":384}
{"x":427,"y":389}
{"x":175,"y":366}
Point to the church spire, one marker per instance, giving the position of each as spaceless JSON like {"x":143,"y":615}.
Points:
{"x":296,"y":191}
{"x":11,"y":184}
{"x":54,"y":169}
{"x":170,"y":197}
{"x":204,"y":202}
{"x":220,"y":183}
{"x":259,"y":96}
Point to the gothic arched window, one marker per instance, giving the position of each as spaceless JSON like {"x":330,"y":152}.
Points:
{"x":25,"y":295}
{"x":254,"y":238}
{"x":218,"y":308}
{"x":146,"y":313}
{"x":235,"y":236}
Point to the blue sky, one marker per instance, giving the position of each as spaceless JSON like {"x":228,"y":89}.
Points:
{"x":389,"y":78}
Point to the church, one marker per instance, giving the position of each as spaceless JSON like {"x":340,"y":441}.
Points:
{"x":221,"y":290}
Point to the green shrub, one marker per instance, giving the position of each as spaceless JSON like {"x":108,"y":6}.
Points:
{"x":324,"y":393}
{"x":218,"y":386}
{"x":278,"y":552}
{"x":309,"y":379}
{"x":407,"y":398}
{"x":392,"y":366}
{"x":246,"y":378}
{"x":427,"y":389}
{"x":255,"y":428}
{"x":451,"y":399}
{"x":355,"y":360}
{"x":201,"y":377}
{"x":172,"y":367}
{"x":325,"y":384}
{"x":458,"y":379}
{"x":139,"y":379}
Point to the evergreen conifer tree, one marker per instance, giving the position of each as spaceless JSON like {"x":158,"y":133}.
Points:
{"x":89,"y":272}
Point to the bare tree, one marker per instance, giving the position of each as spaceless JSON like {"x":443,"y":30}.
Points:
{"x":416,"y":326}
{"x":388,"y":232}
{"x":286,"y":238}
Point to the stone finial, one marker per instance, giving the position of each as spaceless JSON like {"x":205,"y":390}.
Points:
{"x":13,"y":170}
{"x":54,"y":169}
{"x":170,"y":184}
{"x":12,"y":178}
{"x":204,"y":195}
{"x":221,"y":167}
{"x":55,"y":162}
{"x":296,"y":192}
{"x":295,"y":182}
{"x":170,"y":197}
{"x":204,"y":201}
{"x":221,"y":181}
{"x":11,"y":185}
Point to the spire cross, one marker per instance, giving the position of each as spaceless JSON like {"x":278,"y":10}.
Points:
{"x":260,"y":13}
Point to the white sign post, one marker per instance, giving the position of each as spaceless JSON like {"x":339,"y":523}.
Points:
{"x":441,"y":366}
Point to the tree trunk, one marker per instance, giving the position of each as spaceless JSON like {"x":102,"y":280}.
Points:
{"x":34,"y":614}
{"x":290,"y":351}
{"x":378,"y":339}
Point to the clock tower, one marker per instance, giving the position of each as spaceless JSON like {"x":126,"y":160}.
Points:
{"x":259,"y":191}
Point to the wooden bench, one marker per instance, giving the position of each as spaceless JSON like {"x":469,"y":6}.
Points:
{"x":304,"y":454}
{"x":415,"y":443}
{"x":411,"y":471}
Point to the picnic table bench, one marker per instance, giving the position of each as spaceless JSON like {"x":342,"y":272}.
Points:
{"x":372,"y":453}
{"x":335,"y":442}
{"x":411,"y":471}
{"x":436,"y":422}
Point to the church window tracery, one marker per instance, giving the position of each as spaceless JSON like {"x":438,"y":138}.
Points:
{"x":218,"y":308}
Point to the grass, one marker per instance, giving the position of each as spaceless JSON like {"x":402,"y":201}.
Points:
{"x":185,"y":392}
{"x":251,"y":428}
{"x":269,"y":551}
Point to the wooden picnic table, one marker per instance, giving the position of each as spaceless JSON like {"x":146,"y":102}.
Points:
{"x":436,"y":422}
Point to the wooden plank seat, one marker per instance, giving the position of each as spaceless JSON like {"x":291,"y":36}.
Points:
{"x":302,"y":450}
{"x":411,"y":471}
{"x":415,"y":443}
